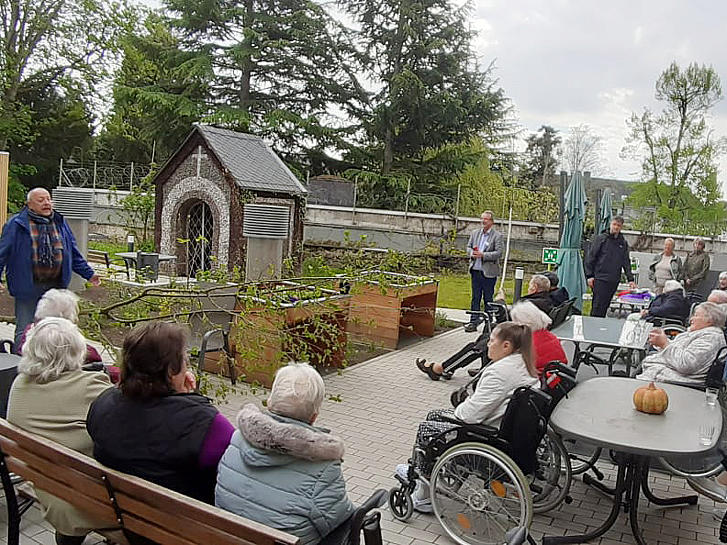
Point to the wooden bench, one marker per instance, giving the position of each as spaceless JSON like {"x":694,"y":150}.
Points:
{"x":131,"y":503}
{"x":103,"y":258}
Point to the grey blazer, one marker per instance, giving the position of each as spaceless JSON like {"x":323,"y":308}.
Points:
{"x":492,"y":254}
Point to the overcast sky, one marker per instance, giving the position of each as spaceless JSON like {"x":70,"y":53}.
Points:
{"x":569,"y":62}
{"x":564,"y":62}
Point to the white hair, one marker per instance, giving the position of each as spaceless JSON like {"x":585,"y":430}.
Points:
{"x":672,"y":285}
{"x":528,"y":314}
{"x":723,"y":275}
{"x":54,"y":346}
{"x":717,"y":296}
{"x":59,"y":304}
{"x":297,"y":392}
{"x":541,"y":282}
{"x":35,"y":190}
{"x":713,"y":312}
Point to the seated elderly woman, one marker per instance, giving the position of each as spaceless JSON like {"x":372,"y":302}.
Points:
{"x":671,"y":304}
{"x":688,"y":357}
{"x":282,"y":471}
{"x":60,"y":304}
{"x":546,"y":346}
{"x":154,"y":425}
{"x":539,"y":293}
{"x":511,"y":350}
{"x":50,"y":397}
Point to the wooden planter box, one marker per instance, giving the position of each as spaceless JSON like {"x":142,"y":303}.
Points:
{"x":271,"y":332}
{"x":405,"y":305}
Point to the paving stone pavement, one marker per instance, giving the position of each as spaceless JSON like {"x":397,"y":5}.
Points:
{"x":381,"y":403}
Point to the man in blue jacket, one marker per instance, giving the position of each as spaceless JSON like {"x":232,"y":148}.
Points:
{"x":608,"y":256}
{"x":38,"y":252}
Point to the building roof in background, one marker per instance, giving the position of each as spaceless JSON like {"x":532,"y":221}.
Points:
{"x":250,"y":161}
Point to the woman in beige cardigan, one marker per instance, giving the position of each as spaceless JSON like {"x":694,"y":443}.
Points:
{"x":50,"y":397}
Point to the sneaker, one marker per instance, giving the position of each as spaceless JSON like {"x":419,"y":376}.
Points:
{"x":420,"y":498}
{"x":402,"y":470}
{"x":470,"y":327}
{"x":710,"y":486}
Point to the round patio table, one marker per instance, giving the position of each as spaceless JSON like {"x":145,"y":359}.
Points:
{"x":600,"y":411}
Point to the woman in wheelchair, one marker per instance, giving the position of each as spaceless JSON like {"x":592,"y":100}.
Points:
{"x":687,"y":358}
{"x":510,"y":349}
{"x":546,"y":346}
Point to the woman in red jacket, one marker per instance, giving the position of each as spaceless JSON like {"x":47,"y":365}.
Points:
{"x":546,"y":346}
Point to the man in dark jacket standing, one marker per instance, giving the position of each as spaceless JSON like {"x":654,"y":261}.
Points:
{"x":38,"y":252}
{"x":608,"y":256}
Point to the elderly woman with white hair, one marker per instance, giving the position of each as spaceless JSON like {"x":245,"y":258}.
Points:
{"x":57,"y":303}
{"x":546,"y":346}
{"x":50,"y":397}
{"x":671,"y":304}
{"x":279,"y":469}
{"x":687,"y":358}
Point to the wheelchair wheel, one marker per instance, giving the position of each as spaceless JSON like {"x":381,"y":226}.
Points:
{"x":582,"y":456}
{"x":401,"y":504}
{"x":553,"y":477}
{"x":478,"y":494}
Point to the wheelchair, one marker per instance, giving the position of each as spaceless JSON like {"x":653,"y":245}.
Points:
{"x":476,"y":473}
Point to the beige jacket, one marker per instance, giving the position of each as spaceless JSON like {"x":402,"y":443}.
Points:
{"x":57,"y":411}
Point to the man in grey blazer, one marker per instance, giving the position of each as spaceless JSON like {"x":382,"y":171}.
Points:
{"x":484,"y":249}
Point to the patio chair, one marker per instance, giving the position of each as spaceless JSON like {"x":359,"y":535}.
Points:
{"x":561,"y":312}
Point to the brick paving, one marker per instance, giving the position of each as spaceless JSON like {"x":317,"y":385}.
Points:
{"x":381,"y":403}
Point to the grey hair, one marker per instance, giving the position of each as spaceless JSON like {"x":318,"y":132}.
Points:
{"x":54,"y":346}
{"x":297,"y":392}
{"x":489,"y":213}
{"x":717,"y":296}
{"x":528,"y":314}
{"x":669,"y":239}
{"x":59,"y":304}
{"x":541,"y":282}
{"x":714,"y":312}
{"x":723,"y":275}
{"x":700,"y":241}
{"x":672,"y":285}
{"x":30,"y":193}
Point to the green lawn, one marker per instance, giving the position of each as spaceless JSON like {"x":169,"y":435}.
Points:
{"x":110,"y":247}
{"x":455,"y":291}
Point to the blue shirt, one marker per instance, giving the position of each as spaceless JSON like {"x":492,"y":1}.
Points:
{"x":481,"y":245}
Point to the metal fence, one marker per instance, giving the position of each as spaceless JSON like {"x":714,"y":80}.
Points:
{"x":101,"y":175}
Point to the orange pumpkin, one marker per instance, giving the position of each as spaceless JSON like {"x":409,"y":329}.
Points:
{"x":650,"y":399}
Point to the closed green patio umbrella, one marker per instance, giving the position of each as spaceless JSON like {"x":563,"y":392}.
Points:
{"x":570,"y":263}
{"x":605,"y":212}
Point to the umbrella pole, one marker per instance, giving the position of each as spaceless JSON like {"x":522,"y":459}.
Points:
{"x":501,"y":292}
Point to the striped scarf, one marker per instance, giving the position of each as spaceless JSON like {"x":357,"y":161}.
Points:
{"x":47,"y":248}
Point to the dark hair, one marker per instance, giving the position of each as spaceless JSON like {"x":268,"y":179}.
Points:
{"x":618,"y":219}
{"x":151,"y":353}
{"x":552,"y":277}
{"x":520,"y":337}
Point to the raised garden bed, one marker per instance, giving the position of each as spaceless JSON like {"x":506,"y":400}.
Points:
{"x":386,"y":305}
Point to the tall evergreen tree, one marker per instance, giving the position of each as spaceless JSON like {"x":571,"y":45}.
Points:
{"x":282,"y":68}
{"x":540,"y":159}
{"x":432,"y":91}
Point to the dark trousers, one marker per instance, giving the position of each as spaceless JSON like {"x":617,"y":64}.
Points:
{"x":482,"y":288}
{"x":603,"y":291}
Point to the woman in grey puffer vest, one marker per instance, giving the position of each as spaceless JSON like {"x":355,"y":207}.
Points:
{"x":279,"y":469}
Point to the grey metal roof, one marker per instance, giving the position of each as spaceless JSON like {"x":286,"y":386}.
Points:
{"x":251,"y":162}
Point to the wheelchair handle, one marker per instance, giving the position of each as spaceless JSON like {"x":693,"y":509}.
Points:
{"x":359,"y":517}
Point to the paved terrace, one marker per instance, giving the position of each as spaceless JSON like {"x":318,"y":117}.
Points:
{"x":383,"y":400}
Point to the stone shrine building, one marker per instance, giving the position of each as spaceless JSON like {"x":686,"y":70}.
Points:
{"x":224,"y":199}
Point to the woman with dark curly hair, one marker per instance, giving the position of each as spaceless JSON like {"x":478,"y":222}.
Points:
{"x":154,"y":425}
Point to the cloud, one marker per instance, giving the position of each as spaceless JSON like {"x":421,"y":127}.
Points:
{"x":565,"y":63}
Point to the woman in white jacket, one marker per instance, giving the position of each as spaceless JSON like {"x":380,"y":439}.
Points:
{"x":688,"y":357}
{"x":513,"y":365}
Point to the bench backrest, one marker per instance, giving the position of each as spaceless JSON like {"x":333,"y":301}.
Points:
{"x":98,"y":256}
{"x":153,"y":511}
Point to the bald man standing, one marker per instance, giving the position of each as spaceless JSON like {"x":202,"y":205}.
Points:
{"x":38,"y":252}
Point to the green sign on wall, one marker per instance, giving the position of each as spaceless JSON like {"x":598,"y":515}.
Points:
{"x":550,"y":256}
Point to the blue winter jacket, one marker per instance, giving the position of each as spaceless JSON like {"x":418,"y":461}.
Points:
{"x":285,"y":474}
{"x":16,"y":256}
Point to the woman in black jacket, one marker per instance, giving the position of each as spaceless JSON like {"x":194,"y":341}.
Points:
{"x":671,"y":304}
